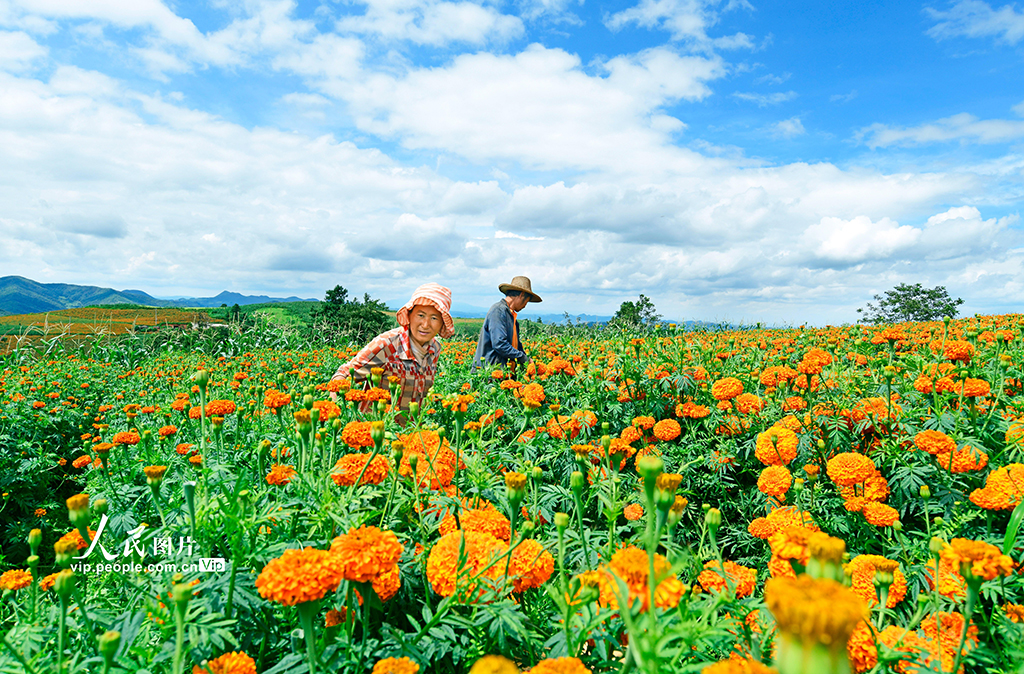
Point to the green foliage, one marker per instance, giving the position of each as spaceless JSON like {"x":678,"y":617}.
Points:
{"x":339,"y":318}
{"x":636,"y":314}
{"x":906,"y":303}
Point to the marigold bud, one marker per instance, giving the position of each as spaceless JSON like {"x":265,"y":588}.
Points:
{"x":576,"y":482}
{"x":64,"y":584}
{"x":561,"y":520}
{"x":35,"y":537}
{"x":109,"y":642}
{"x":925,"y":492}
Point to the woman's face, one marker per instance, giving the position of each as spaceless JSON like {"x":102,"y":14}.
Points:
{"x":424,"y":323}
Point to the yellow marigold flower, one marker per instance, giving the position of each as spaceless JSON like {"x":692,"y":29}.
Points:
{"x":826,"y":548}
{"x":15,"y":579}
{"x":977,"y":559}
{"x":515,"y":481}
{"x":560,"y":666}
{"x":365,"y":552}
{"x":494,"y":664}
{"x":813,"y":610}
{"x":155,"y":472}
{"x":396,"y":666}
{"x":738,"y":665}
{"x":78,"y":502}
{"x":298,"y":576}
{"x":850,"y":468}
{"x":668,"y":482}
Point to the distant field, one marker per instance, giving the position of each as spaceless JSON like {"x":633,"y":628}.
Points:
{"x":92,"y":321}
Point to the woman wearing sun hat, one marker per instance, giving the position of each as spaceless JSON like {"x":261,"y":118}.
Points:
{"x":499,"y":335}
{"x":409,"y":352}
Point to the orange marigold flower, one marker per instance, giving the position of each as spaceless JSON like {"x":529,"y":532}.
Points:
{"x":792,"y":543}
{"x":957,"y":350}
{"x":977,"y":558}
{"x":229,"y":663}
{"x":483,"y":518}
{"x":774,"y":481}
{"x":298,"y":576}
{"x":275,"y":400}
{"x":631,"y":564}
{"x":691,"y":410}
{"x":395,"y":666}
{"x":951,"y":583}
{"x":47,"y":583}
{"x":348,"y":468}
{"x":644,"y":422}
{"x":667,"y":430}
{"x":446,"y":574}
{"x":560,"y":666}
{"x":531,"y":565}
{"x":280,"y":474}
{"x":387,"y":583}
{"x":1015,"y":612}
{"x":975,"y":388}
{"x":794,"y":404}
{"x":743,"y":578}
{"x":923,"y":384}
{"x":746,"y":403}
{"x":126,"y":438}
{"x":776,"y":446}
{"x":167,"y":431}
{"x":183,"y":448}
{"x":879,"y":514}
{"x":630,"y":435}
{"x":328,"y":410}
{"x":775,"y":375}
{"x":934,"y":442}
{"x":862,"y":571}
{"x":945,"y":630}
{"x":633,"y":512}
{"x":15,"y":579}
{"x":365,"y":552}
{"x":727,"y":388}
{"x":356,"y":434}
{"x":220,"y":408}
{"x":963,"y":460}
{"x":812,"y":610}
{"x":532,"y":395}
{"x":850,"y":468}
{"x":82,"y":461}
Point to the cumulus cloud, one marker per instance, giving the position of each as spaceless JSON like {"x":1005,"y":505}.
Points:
{"x":537,"y":107}
{"x":963,"y":127}
{"x":974,"y":18}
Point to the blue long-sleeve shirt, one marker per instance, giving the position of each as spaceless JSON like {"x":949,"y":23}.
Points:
{"x":495,"y":345}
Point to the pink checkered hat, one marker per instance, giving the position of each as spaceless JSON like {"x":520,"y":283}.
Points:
{"x":434,"y":295}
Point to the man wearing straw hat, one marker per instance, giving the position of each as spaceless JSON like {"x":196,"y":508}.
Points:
{"x":499,"y":336}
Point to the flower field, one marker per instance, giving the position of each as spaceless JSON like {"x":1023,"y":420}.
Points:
{"x":800,"y":500}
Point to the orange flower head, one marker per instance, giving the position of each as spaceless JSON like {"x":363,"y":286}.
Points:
{"x":850,"y":468}
{"x":299,"y":576}
{"x":365,"y":552}
{"x":727,"y":388}
{"x":776,"y":446}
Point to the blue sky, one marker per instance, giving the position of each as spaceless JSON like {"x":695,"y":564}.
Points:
{"x":754,"y":161}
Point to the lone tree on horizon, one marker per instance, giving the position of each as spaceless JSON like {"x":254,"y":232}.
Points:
{"x":639,"y":313}
{"x":906,"y":303}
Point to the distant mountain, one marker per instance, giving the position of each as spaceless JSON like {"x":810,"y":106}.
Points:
{"x":19,"y":295}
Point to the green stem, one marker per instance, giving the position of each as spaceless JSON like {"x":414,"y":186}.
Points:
{"x":306,"y":612}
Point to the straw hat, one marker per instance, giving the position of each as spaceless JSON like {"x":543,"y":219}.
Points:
{"x":521,"y":283}
{"x":434,"y":295}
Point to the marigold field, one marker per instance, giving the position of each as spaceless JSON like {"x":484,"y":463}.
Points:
{"x":794,"y":500}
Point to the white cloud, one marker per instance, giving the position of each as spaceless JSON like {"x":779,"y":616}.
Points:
{"x":860,"y":239}
{"x":787,"y":128}
{"x":843,"y":98}
{"x":685,"y":20}
{"x":431,"y":22}
{"x":18,"y":51}
{"x":974,"y":18}
{"x":764,"y":100}
{"x":773,"y":79}
{"x":537,"y":107}
{"x":963,"y":127}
